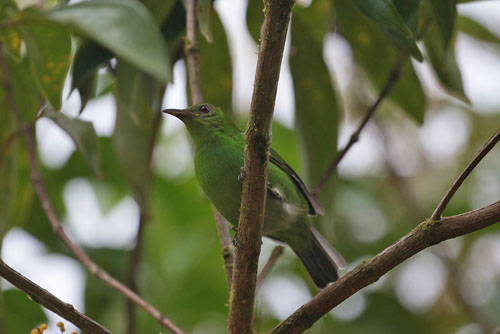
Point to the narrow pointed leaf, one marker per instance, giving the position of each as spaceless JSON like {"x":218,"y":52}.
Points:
{"x":384,"y":12}
{"x":477,"y":30}
{"x":137,"y":98}
{"x":215,"y":65}
{"x":442,"y":54}
{"x":376,"y":55}
{"x":445,"y":13}
{"x":203,"y":14}
{"x":317,"y":105}
{"x":124,"y":27}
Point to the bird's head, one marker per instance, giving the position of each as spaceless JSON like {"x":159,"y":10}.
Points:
{"x":202,"y":117}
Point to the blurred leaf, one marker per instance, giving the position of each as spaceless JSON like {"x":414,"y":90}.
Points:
{"x":21,"y":313}
{"x":385,"y":13}
{"x":408,"y":9}
{"x":103,"y":304}
{"x":137,"y":98}
{"x":445,"y":12}
{"x":255,"y":18}
{"x":26,"y":93}
{"x":442,"y":55}
{"x":83,"y":135}
{"x":317,"y":107}
{"x":16,"y":190}
{"x":204,"y":7}
{"x":89,"y":57}
{"x":215,"y":65}
{"x":8,"y":35}
{"x":159,"y":9}
{"x":477,"y":30}
{"x":376,"y":55}
{"x":137,"y":40}
{"x":173,"y":30}
{"x":49,"y":51}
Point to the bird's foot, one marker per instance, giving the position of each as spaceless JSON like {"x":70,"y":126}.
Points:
{"x":241,"y":176}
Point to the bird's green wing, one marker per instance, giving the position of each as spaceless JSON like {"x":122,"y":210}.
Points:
{"x":314,"y":206}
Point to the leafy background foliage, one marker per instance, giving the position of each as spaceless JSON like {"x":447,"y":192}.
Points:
{"x":118,"y":57}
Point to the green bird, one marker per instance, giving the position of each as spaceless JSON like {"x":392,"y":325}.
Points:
{"x":218,"y":159}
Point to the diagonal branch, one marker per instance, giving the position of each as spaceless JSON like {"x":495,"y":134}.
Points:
{"x":276,"y":253}
{"x":253,"y":198}
{"x":51,"y":302}
{"x":436,"y":215}
{"x":193,"y":66}
{"x":54,"y":221}
{"x":426,"y":234}
{"x":430,"y":232}
{"x":389,"y":84}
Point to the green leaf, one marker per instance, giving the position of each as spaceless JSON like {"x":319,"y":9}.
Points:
{"x":137,"y":98}
{"x":384,"y":12}
{"x":89,"y":57}
{"x":477,"y":30}
{"x":442,"y":55}
{"x":255,"y":18}
{"x":376,"y":56}
{"x":159,"y":9}
{"x":408,"y":9}
{"x":21,"y":313}
{"x":49,"y":51}
{"x":83,"y":135}
{"x":8,"y":35}
{"x":26,"y":92}
{"x":124,"y":27}
{"x":444,"y":15}
{"x":203,"y":14}
{"x":317,"y":106}
{"x":215,"y":65}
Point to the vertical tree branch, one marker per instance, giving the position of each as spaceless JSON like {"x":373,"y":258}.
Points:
{"x":51,"y":302}
{"x":193,"y":66}
{"x":52,"y":217}
{"x":249,"y":235}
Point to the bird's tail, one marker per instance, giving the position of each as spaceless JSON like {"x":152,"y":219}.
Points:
{"x":321,"y":260}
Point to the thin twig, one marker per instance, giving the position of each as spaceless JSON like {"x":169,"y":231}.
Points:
{"x":51,"y":302}
{"x":257,"y":140}
{"x":277,"y":251}
{"x":410,"y":200}
{"x":193,"y":66}
{"x":428,"y":233}
{"x":51,"y":215}
{"x":436,"y":215}
{"x":389,"y":84}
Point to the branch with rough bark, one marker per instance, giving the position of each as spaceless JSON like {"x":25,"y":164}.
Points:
{"x":79,"y":253}
{"x":273,"y":35}
{"x":428,"y":233}
{"x":51,"y":302}
{"x":194,"y":75}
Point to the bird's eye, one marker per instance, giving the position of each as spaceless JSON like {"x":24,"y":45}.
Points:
{"x":204,"y":109}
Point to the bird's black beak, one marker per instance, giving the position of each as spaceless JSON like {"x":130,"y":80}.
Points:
{"x":179,"y":113}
